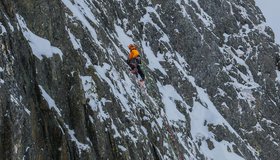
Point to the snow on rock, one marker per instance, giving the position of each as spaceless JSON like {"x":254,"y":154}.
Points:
{"x":208,"y":114}
{"x":169,"y":96}
{"x":81,"y":146}
{"x":40,"y":46}
{"x":124,"y":39}
{"x":258,"y":127}
{"x":18,"y":102}
{"x":146,"y":19}
{"x":15,"y":100}
{"x":203,"y":112}
{"x":154,"y":61}
{"x":221,"y":151}
{"x":261,"y":28}
{"x":75,"y":42}
{"x":90,"y":90}
{"x":2,"y":29}
{"x":95,"y":102}
{"x":122,"y":148}
{"x":123,"y":88}
{"x":278,"y":76}
{"x":49,"y":100}
{"x":82,"y":12}
{"x":1,"y":80}
{"x":248,"y":84}
{"x":242,"y":11}
{"x":77,"y":46}
{"x":203,"y":16}
{"x":119,"y":90}
{"x":117,"y":133}
{"x":9,"y":23}
{"x":204,"y":109}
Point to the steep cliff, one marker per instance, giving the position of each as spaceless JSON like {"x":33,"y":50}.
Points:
{"x":66,"y":91}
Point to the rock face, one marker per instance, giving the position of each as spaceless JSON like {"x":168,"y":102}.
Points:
{"x":66,"y":91}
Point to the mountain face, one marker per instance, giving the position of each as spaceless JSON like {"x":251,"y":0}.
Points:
{"x":212,"y":82}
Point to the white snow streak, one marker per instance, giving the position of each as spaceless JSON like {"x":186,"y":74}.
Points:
{"x":169,"y":96}
{"x":203,"y":16}
{"x":76,"y":42}
{"x":124,"y":39}
{"x":118,"y":92}
{"x":81,"y":11}
{"x":154,"y":61}
{"x":77,"y":46}
{"x":49,"y":100}
{"x":2,"y":29}
{"x":278,"y":76}
{"x":2,"y":81}
{"x":81,"y":146}
{"x":40,"y":46}
{"x":95,"y":102}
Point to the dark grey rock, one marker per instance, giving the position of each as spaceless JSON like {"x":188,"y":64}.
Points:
{"x":220,"y":47}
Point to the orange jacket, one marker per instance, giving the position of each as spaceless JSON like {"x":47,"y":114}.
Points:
{"x":133,"y":54}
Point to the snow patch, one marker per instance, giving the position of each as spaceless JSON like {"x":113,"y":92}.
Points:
{"x":77,"y":46}
{"x":204,"y":112}
{"x":9,"y":23}
{"x":261,"y":28}
{"x":245,"y":88}
{"x":150,"y":10}
{"x":81,"y":146}
{"x":203,"y":16}
{"x":89,"y":87}
{"x":153,"y":60}
{"x":278,"y":76}
{"x":258,"y":127}
{"x":242,"y":11}
{"x":15,"y":100}
{"x":24,"y":156}
{"x":147,"y":19}
{"x":144,"y":130}
{"x":128,"y":133}
{"x":2,"y":29}
{"x":221,"y":92}
{"x":1,"y":80}
{"x":226,"y":37}
{"x":82,"y":12}
{"x":117,"y":133}
{"x":27,"y":111}
{"x":221,"y":151}
{"x":95,"y":102}
{"x":122,"y":148}
{"x":124,"y":39}
{"x":169,"y":97}
{"x":49,"y":100}
{"x":40,"y":46}
{"x":75,"y":42}
{"x":122,"y":87}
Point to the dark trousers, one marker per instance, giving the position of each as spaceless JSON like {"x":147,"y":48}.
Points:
{"x":135,"y":65}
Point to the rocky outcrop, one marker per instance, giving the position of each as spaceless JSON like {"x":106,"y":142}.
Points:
{"x":212,"y":87}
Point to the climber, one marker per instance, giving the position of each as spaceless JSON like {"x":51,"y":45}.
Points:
{"x":134,"y":62}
